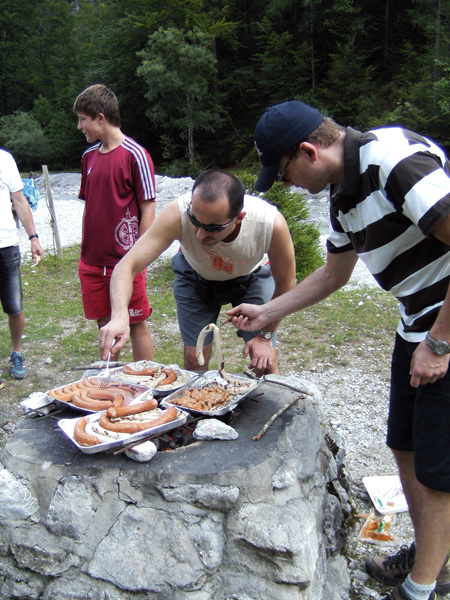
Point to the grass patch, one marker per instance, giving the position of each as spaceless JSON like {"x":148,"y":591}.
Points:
{"x":348,"y":325}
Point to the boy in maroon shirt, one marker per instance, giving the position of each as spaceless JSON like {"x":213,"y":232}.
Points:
{"x":118,"y":187}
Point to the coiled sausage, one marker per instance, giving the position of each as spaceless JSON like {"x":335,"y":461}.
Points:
{"x":130,"y":427}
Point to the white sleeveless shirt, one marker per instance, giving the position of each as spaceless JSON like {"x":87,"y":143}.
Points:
{"x":243,"y":255}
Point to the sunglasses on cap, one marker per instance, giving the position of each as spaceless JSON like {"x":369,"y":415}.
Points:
{"x":211,"y":227}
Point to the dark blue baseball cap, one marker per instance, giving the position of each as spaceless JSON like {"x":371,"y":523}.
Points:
{"x":281,"y":127}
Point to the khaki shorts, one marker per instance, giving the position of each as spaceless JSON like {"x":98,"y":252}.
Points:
{"x":194,"y":313}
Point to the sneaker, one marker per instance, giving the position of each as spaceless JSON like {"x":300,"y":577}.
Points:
{"x":394,"y":569}
{"x":443,"y":578}
{"x":18,"y":370}
{"x":399,"y":594}
{"x":2,"y":383}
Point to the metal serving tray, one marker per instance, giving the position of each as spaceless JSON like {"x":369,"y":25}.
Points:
{"x":67,"y":426}
{"x":207,"y":379}
{"x":142,"y":389}
{"x":184,"y":377}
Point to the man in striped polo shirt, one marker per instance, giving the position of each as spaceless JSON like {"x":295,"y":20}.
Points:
{"x":390,"y":207}
{"x":118,"y":187}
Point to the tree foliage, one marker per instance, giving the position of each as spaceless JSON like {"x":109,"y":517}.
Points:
{"x":305,"y":236}
{"x":180,"y":73}
{"x":22,"y":135}
{"x":192,"y":77}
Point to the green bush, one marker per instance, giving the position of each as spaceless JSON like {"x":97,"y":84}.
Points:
{"x":22,"y":135}
{"x":60,"y":128}
{"x":305,"y":236}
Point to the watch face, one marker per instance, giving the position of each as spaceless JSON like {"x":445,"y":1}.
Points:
{"x":441,"y":347}
{"x":267,"y":335}
{"x":438,"y":346}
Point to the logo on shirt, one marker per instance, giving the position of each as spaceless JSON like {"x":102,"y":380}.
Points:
{"x":221,"y":263}
{"x":127,"y":231}
{"x":135,"y":312}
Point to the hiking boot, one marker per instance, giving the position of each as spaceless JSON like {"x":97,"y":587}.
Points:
{"x":399,"y":594}
{"x":2,"y":383}
{"x":18,"y":370}
{"x":394,"y":569}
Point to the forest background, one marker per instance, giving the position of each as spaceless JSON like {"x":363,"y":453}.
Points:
{"x":193,"y":76}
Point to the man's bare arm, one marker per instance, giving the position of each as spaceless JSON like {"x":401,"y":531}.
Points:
{"x":165,"y":229}
{"x":23,"y":211}
{"x":319,"y":285}
{"x":282,"y":265}
{"x":427,"y":367}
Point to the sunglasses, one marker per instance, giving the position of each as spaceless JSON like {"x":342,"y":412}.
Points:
{"x":210,"y":228}
{"x":281,"y":175}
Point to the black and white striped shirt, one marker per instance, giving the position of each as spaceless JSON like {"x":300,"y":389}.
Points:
{"x":395,"y":191}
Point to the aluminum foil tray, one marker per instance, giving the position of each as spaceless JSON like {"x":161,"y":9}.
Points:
{"x":209,"y":378}
{"x":140,"y":389}
{"x":183,"y":377}
{"x":67,"y":426}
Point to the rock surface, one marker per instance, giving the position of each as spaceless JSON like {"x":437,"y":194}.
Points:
{"x":212,"y":520}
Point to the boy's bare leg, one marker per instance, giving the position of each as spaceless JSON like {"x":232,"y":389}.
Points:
{"x":190,"y":358}
{"x":141,"y":341}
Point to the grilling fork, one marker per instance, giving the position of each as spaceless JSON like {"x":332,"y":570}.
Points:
{"x":106,"y":378}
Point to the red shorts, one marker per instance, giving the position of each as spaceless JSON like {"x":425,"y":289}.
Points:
{"x":95,"y":294}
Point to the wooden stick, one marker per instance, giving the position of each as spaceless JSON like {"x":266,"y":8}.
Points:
{"x":227,"y":320}
{"x":51,"y":208}
{"x":275,"y":416}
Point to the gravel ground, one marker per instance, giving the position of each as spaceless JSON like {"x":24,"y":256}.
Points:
{"x":354,"y":399}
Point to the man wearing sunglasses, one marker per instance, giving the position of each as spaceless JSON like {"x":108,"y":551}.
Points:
{"x":390,"y":207}
{"x":228,"y":239}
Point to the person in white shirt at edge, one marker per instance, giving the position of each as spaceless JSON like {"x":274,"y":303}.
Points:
{"x":11,"y":286}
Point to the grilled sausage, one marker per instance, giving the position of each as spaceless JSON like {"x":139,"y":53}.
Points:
{"x":170,"y":374}
{"x":59,"y":394}
{"x":134,"y":409}
{"x":130,"y":427}
{"x":80,"y":435}
{"x":146,"y":372}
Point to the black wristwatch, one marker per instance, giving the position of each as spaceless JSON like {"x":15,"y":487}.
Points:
{"x":33,"y":235}
{"x":438,"y":346}
{"x":266,"y":335}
